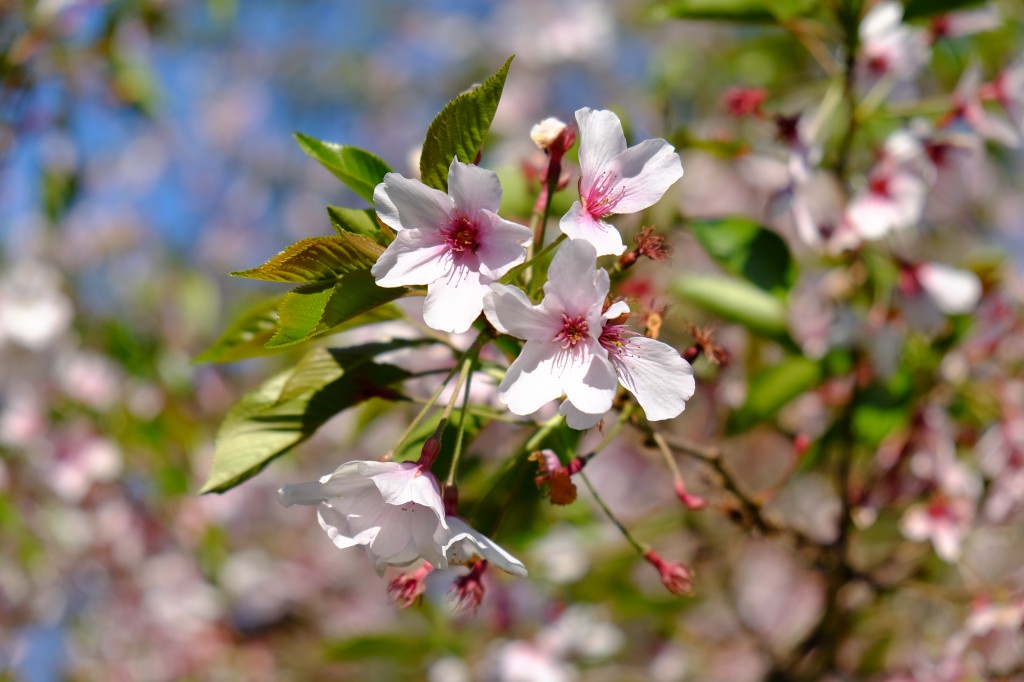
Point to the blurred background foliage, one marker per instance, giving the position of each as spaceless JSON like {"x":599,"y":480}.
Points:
{"x":146,"y":150}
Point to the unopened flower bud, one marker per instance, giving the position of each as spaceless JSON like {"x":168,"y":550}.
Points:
{"x":547,"y":133}
{"x":674,"y":575}
{"x":432,"y":446}
{"x":741,"y":102}
{"x":692,"y":502}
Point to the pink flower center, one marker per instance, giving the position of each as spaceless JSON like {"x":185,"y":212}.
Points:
{"x":879,"y":184}
{"x":612,"y":338}
{"x":878,"y":64}
{"x":461,"y":234}
{"x":574,"y":330}
{"x":598,"y":201}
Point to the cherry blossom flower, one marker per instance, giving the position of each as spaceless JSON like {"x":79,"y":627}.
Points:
{"x":615,"y":180}
{"x":393,"y":509}
{"x":1000,"y":455}
{"x":454,"y":243}
{"x":969,"y":110}
{"x":891,"y":47}
{"x":563,"y":354}
{"x":655,"y":373}
{"x":965,"y":22}
{"x":896,"y":190}
{"x":945,"y":521}
{"x":575,"y":348}
{"x":1008,"y":90}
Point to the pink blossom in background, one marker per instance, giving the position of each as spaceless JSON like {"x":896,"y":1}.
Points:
{"x":890,"y":47}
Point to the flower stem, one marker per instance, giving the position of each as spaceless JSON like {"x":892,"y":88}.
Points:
{"x":467,"y":378}
{"x":522,"y":266}
{"x":471,"y":352}
{"x":640,"y":547}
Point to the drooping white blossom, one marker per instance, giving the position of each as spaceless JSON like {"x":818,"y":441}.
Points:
{"x":562,"y":354}
{"x":392,"y":509}
{"x":454,"y":243}
{"x":615,"y":179}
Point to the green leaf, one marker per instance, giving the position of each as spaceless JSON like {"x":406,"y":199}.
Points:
{"x":318,"y":260}
{"x":357,"y":221}
{"x":357,"y":168}
{"x":288,"y":408}
{"x":459,"y":130}
{"x":917,"y":9}
{"x":770,"y":390}
{"x":246,"y":336}
{"x":745,"y":248}
{"x":737,"y":301}
{"x":751,"y":11}
{"x":319,"y":309}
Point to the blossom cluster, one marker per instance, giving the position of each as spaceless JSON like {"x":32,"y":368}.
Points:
{"x":577,"y":344}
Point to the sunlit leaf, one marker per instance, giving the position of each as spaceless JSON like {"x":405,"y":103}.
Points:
{"x":749,"y":250}
{"x":459,"y":130}
{"x":288,"y":408}
{"x":748,"y":11}
{"x":770,"y":390}
{"x":318,"y":260}
{"x":246,"y":336}
{"x":319,"y":309}
{"x":736,"y":301}
{"x":357,"y":168}
{"x":357,"y":221}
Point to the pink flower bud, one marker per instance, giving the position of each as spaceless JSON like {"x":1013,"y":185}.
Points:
{"x":692,"y":502}
{"x":674,"y":575}
{"x":432,"y":446}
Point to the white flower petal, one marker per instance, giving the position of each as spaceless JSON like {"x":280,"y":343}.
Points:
{"x":473,"y":189}
{"x":510,"y":311}
{"x":590,"y":380}
{"x":533,"y":379}
{"x":453,"y":302}
{"x":405,"y":204}
{"x":645,"y":173}
{"x":468,"y":545}
{"x":577,"y":419}
{"x":572,"y":283}
{"x":882,"y":18}
{"x":407,"y":482}
{"x":502,"y":244}
{"x":656,"y":374}
{"x":581,"y":226}
{"x":954,"y":291}
{"x":601,"y":140}
{"x":415,"y":257}
{"x":616,"y":309}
